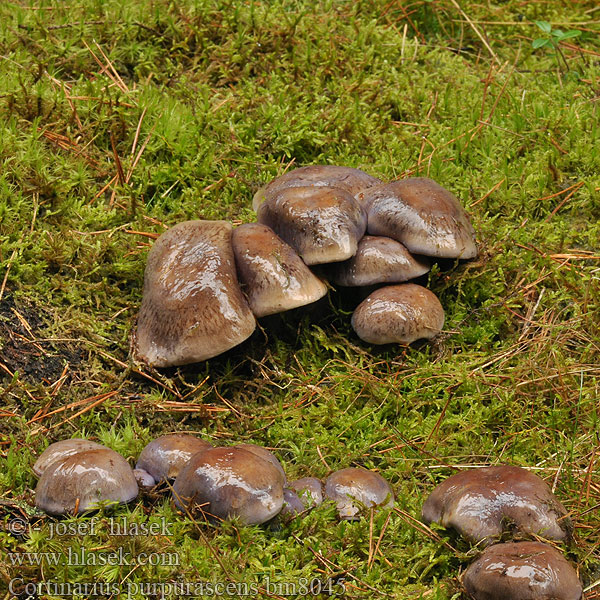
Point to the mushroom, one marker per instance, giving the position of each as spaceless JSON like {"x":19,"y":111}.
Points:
{"x":322,"y":224}
{"x":265,"y":455}
{"x":421,"y":214}
{"x":378,"y":260}
{"x":346,"y":178}
{"x":273,"y":276}
{"x":84,"y":481}
{"x":398,"y":314}
{"x":60,"y":450}
{"x":143,"y":478}
{"x":230,"y":482}
{"x":353,"y":488}
{"x":192,"y":307}
{"x":522,"y":571}
{"x":302,"y":494}
{"x":164,"y":457}
{"x":481,"y":503}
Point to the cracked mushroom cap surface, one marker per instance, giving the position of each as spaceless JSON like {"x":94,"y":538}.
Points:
{"x":83,"y":481}
{"x":481,"y":503}
{"x":230,"y":482}
{"x":165,"y":456}
{"x":522,"y":571}
{"x":322,"y":224}
{"x":60,"y":450}
{"x":348,"y":179}
{"x":354,"y":488}
{"x":273,"y":276}
{"x":398,"y":314}
{"x":424,"y":216}
{"x":378,"y":260}
{"x":192,"y":306}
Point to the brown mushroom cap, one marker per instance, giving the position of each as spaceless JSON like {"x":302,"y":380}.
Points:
{"x":480,"y":503}
{"x":60,"y":450}
{"x":346,"y":178}
{"x":165,"y":456}
{"x":398,"y":314}
{"x":522,"y":571}
{"x":265,"y":455}
{"x":378,"y":260}
{"x":230,"y":482}
{"x":272,"y":275}
{"x":302,"y":494}
{"x":421,"y":214}
{"x":352,"y":488}
{"x":192,"y":307}
{"x":82,"y":481}
{"x":322,"y":224}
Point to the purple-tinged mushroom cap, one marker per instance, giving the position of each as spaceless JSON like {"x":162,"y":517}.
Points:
{"x":143,"y":478}
{"x":398,"y":314}
{"x":265,"y":454}
{"x":322,"y":224}
{"x":228,"y":483}
{"x":481,"y":503}
{"x":84,"y":481}
{"x":273,"y":277}
{"x":421,"y":214}
{"x":192,"y":307}
{"x":522,"y":571}
{"x":348,"y":179}
{"x":354,"y":488}
{"x":165,"y":456}
{"x":378,"y":260}
{"x":60,"y":450}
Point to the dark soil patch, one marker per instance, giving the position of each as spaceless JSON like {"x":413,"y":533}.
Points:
{"x":24,"y":347}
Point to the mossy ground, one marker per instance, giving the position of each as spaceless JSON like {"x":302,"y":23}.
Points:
{"x":119,"y":119}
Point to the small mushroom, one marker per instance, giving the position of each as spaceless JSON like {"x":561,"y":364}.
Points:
{"x":421,"y":214}
{"x":164,"y":457}
{"x":378,"y":260}
{"x":230,"y":482}
{"x":481,"y":503}
{"x":353,"y":488}
{"x":302,"y":494}
{"x":346,"y":178}
{"x":265,"y":455}
{"x":398,"y":314}
{"x":192,"y":307}
{"x":143,"y":478}
{"x":322,"y":224}
{"x":85,"y":480}
{"x":273,"y":276}
{"x":522,"y":571}
{"x":60,"y":450}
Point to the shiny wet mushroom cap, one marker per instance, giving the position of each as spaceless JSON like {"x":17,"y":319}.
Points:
{"x":192,"y":307}
{"x":421,"y":214}
{"x":60,"y":450}
{"x":378,"y":260}
{"x":322,"y":224}
{"x":265,"y":454}
{"x":354,"y":488}
{"x":143,"y":478}
{"x":302,"y":494}
{"x":348,"y":179}
{"x":481,"y":503}
{"x":164,"y":457}
{"x":522,"y":571}
{"x":398,"y":314}
{"x":84,"y":481}
{"x":273,"y":277}
{"x":230,"y":482}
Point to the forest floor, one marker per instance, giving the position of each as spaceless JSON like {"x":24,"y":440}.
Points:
{"x":120,"y":119}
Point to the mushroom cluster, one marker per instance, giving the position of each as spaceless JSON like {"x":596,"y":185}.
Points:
{"x":244,"y":481}
{"x":205,"y":284}
{"x":483,"y":505}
